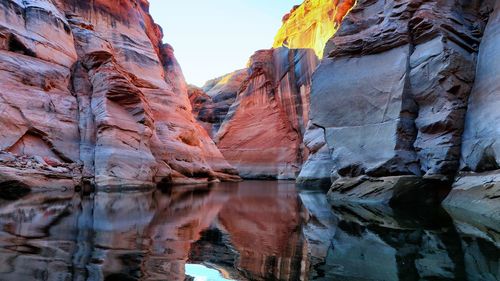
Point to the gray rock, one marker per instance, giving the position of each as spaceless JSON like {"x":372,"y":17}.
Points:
{"x":395,"y":191}
{"x":476,"y":193}
{"x":318,"y":167}
{"x":481,"y":148}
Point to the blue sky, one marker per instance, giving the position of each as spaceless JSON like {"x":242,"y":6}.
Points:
{"x":212,"y":38}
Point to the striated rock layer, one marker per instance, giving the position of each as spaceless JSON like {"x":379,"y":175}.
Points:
{"x":391,"y":98}
{"x":88,"y":88}
{"x":311,"y":24}
{"x":212,"y":102}
{"x":478,"y":185}
{"x":262,"y":132}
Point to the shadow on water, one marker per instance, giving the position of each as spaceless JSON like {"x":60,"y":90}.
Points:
{"x":237,"y":231}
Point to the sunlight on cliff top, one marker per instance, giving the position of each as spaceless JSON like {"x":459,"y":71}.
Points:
{"x":312,"y":24}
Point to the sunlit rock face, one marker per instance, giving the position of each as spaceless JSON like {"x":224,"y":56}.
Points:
{"x":262,"y":132}
{"x":90,"y":84}
{"x":391,"y":93}
{"x":311,"y":24}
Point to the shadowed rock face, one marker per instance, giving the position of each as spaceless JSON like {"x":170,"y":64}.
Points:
{"x":478,"y":186}
{"x":90,"y":90}
{"x":212,"y":102}
{"x":392,"y":92}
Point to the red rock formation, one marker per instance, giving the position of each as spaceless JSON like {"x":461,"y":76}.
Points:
{"x":92,"y":83}
{"x":263,"y":130}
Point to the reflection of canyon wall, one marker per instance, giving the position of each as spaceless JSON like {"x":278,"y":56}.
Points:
{"x":91,"y":83}
{"x":151,"y":236}
{"x":379,"y":243}
{"x":264,"y":225}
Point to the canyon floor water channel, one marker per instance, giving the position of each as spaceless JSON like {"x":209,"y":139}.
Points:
{"x":253,"y":230}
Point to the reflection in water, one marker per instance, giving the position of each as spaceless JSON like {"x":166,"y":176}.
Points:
{"x":244,"y":231}
{"x":200,"y":272}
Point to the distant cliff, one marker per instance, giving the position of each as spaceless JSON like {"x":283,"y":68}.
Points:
{"x":90,"y":94}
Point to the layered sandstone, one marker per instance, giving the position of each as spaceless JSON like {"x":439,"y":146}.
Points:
{"x":211,"y":103}
{"x":90,"y":84}
{"x":312,"y":24}
{"x":391,"y":95}
{"x":263,"y":130}
{"x":478,"y":185}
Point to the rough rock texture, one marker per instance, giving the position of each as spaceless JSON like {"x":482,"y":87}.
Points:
{"x":311,"y":24}
{"x":392,"y":92}
{"x":263,"y":130}
{"x":212,"y":102}
{"x":90,"y":84}
{"x":223,"y":91}
{"x":396,"y":191}
{"x":478,"y":188}
{"x":318,"y":167}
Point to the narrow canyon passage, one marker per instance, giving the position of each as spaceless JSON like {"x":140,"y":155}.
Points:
{"x":320,"y":140}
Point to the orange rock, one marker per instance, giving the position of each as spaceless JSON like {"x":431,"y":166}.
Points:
{"x":92,"y":83}
{"x":312,"y":24}
{"x":263,"y":130}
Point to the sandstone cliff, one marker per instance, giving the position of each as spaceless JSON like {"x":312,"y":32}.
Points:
{"x":258,"y":116}
{"x":311,"y":24}
{"x":89,"y":91}
{"x":391,"y":97}
{"x":262,"y":133}
{"x":212,"y":102}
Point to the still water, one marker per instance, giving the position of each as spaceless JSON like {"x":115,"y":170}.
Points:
{"x":245,"y":231}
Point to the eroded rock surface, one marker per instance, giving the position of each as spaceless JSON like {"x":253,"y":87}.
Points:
{"x":311,"y":24}
{"x":477,"y":186}
{"x":262,"y":132}
{"x":90,"y":84}
{"x":392,"y":91}
{"x":211,"y":103}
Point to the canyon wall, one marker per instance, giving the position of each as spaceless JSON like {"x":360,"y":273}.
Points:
{"x":90,"y":93}
{"x":311,"y":24}
{"x":211,"y":103}
{"x":258,"y":116}
{"x":478,"y":184}
{"x":262,"y":132}
{"x":391,"y":97}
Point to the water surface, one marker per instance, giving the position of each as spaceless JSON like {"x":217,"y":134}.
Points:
{"x":246,"y":231}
